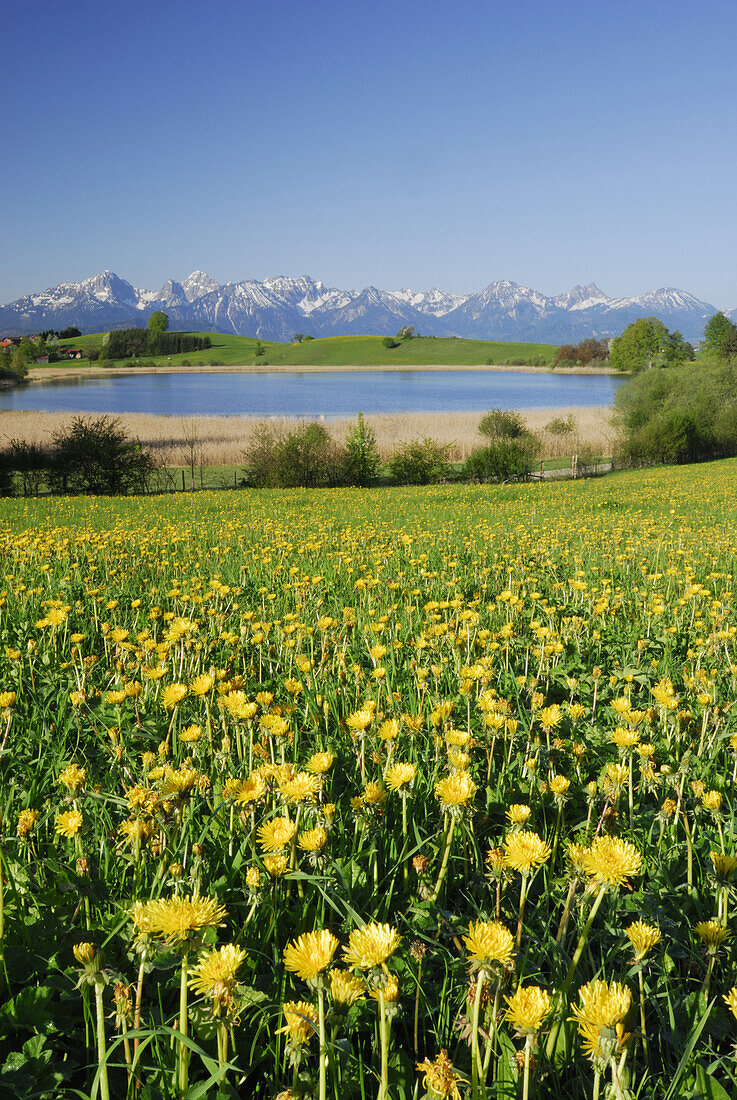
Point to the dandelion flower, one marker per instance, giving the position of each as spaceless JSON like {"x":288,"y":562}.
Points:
{"x":399,"y":776}
{"x":310,"y":954}
{"x":525,"y":851}
{"x":527,"y":1008}
{"x":730,"y":1000}
{"x":489,"y":942}
{"x":73,"y":777}
{"x":346,"y":988}
{"x":202,"y":683}
{"x":643,"y":938}
{"x":712,"y":801}
{"x":320,"y":762}
{"x":176,"y":919}
{"x":69,"y":823}
{"x":724,"y":866}
{"x":301,"y":1022}
{"x":712,"y":933}
{"x":602,"y":1007}
{"x":440,"y":1079}
{"x":312,"y":840}
{"x":214,"y":976}
{"x":610,"y":861}
{"x":276,"y":834}
{"x":455,"y":791}
{"x":518,"y":813}
{"x":371,"y":945}
{"x":172,"y":695}
{"x":26,"y":822}
{"x":276,"y":864}
{"x":302,"y":788}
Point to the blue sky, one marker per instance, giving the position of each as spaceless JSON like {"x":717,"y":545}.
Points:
{"x":399,"y":144}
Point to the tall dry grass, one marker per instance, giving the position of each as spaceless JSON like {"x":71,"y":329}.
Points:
{"x":221,"y":440}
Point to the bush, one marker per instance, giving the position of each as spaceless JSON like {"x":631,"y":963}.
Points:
{"x":502,"y":424}
{"x":422,"y":462}
{"x":306,"y":457}
{"x":362,"y":460}
{"x":94,"y":455}
{"x":502,"y":459}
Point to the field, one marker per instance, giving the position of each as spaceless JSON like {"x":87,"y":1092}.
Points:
{"x":371,"y":794}
{"x":333,"y":351}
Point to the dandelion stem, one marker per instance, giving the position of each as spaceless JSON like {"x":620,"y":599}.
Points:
{"x":521,"y":916}
{"x":322,"y":1059}
{"x":643,"y":1027}
{"x":555,"y":1031}
{"x":101,"y":1045}
{"x":444,"y":865}
{"x":384,"y":1044}
{"x":478,"y":1089}
{"x":183,"y":1062}
{"x":526,"y":1084}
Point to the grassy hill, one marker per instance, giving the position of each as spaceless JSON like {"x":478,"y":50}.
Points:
{"x":348,"y":351}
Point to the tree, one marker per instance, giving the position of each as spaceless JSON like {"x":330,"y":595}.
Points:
{"x":95,"y":455}
{"x":406,"y":332}
{"x":158,"y":321}
{"x":362,"y":455}
{"x":298,"y":338}
{"x":642,"y":344}
{"x":390,"y":342}
{"x":720,"y":336}
{"x":677,"y":350}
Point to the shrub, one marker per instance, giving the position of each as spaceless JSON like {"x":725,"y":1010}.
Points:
{"x":502,"y":424}
{"x":362,"y":460}
{"x":95,"y":455}
{"x":502,"y":459}
{"x":306,"y":457}
{"x":422,"y":462}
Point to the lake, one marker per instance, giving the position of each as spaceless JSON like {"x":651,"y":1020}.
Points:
{"x":313,"y":394}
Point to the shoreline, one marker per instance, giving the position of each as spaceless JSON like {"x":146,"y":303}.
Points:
{"x":56,"y":374}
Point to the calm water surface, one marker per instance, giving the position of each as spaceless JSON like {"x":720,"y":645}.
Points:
{"x":329,"y":394}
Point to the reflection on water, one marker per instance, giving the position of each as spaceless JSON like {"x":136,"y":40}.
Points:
{"x":335,"y":393}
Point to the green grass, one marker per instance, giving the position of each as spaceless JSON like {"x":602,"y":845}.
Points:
{"x":345,"y":350}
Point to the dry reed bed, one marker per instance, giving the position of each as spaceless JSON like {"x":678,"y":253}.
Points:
{"x":222,"y":440}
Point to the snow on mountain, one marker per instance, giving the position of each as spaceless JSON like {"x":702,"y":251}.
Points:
{"x":281,"y":305}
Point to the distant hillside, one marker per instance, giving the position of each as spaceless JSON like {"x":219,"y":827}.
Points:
{"x":346,"y":351}
{"x":277,"y":308}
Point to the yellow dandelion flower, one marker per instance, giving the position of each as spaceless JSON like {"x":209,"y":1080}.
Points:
{"x":371,"y":945}
{"x":455,"y":791}
{"x":320,"y":762}
{"x":276,"y":834}
{"x":724,"y":866}
{"x":135,"y":830}
{"x":202,"y":683}
{"x":712,"y":801}
{"x":73,"y":777}
{"x":253,"y":878}
{"x":730,"y":1000}
{"x":26,"y":822}
{"x":643,"y":938}
{"x":373,"y":794}
{"x":559,"y":785}
{"x":525,"y":851}
{"x":489,"y":942}
{"x":276,"y":864}
{"x":440,"y":1080}
{"x":457,"y":739}
{"x":312,"y":840}
{"x":399,"y":775}
{"x":518,"y":813}
{"x":302,"y":788}
{"x":610,"y":861}
{"x":190,"y":734}
{"x":390,"y":990}
{"x":527,"y":1008}
{"x":388,"y":730}
{"x":346,"y":988}
{"x":712,"y":934}
{"x":550,"y":717}
{"x":624,"y":738}
{"x":602,"y":1007}
{"x":172,"y":695}
{"x":214,"y":976}
{"x":301,"y":1022}
{"x":175,"y":919}
{"x":360,"y":720}
{"x":69,"y":823}
{"x":310,"y":954}
{"x":7,"y":700}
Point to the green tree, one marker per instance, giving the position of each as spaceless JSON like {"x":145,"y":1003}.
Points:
{"x":158,"y":321}
{"x":643,"y":344}
{"x":678,"y":350}
{"x":720,"y":336}
{"x":362,"y":454}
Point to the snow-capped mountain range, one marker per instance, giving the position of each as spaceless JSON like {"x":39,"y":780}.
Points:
{"x":278,"y":307}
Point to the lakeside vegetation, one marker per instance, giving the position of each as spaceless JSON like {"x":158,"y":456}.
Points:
{"x":304,"y":789}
